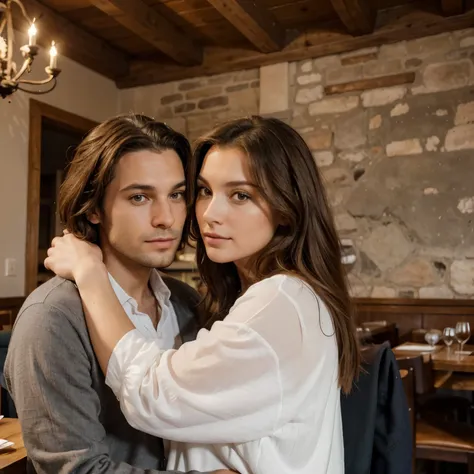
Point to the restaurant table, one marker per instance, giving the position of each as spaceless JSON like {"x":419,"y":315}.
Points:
{"x":453,"y":369}
{"x":12,"y":459}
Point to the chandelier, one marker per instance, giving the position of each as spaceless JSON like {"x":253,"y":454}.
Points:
{"x":11,"y":77}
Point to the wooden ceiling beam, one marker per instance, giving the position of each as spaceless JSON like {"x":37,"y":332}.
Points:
{"x":398,"y":25}
{"x":153,"y":28}
{"x":452,"y":7}
{"x":358,"y":16}
{"x":254,"y":21}
{"x":73,"y":42}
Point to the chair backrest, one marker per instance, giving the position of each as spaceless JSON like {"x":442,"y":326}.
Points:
{"x":382,"y":331}
{"x":6,"y":319}
{"x":422,"y":372}
{"x":375,"y":414}
{"x":408,"y":380}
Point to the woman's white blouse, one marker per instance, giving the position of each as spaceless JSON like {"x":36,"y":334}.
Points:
{"x":258,"y":393}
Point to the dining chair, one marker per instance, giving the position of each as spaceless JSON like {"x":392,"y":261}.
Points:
{"x":436,"y":440}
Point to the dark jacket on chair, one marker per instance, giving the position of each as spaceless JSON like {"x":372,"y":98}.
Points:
{"x":376,"y":423}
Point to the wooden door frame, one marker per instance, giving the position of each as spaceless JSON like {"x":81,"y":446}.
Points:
{"x":67,"y":120}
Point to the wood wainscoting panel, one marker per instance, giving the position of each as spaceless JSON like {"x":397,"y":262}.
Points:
{"x":9,"y":308}
{"x":411,"y":314}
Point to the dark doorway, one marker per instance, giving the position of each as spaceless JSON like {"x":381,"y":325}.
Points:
{"x":54,"y":135}
{"x":58,"y":145}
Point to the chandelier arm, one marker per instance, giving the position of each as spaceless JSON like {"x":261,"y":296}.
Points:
{"x":26,"y":63}
{"x":39,"y":92}
{"x":22,"y":8}
{"x":36,"y":83}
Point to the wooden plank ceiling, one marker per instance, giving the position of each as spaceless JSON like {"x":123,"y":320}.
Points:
{"x":140,"y":42}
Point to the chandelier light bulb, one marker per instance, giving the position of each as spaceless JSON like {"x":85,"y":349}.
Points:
{"x":53,"y":56}
{"x":32,"y":32}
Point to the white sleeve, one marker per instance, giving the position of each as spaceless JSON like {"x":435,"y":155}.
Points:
{"x":223,"y":387}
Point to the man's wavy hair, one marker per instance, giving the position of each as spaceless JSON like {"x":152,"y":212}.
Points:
{"x":93,"y":166}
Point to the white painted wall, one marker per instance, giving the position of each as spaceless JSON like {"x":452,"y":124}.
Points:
{"x":79,"y":91}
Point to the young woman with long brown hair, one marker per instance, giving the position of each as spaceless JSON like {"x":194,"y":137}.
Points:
{"x":258,"y":391}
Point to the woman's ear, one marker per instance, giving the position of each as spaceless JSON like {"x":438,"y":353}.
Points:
{"x":93,"y":217}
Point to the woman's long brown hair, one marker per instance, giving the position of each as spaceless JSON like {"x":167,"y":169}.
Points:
{"x":307,"y":245}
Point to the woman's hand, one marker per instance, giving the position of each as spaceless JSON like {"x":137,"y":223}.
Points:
{"x":72,"y":258}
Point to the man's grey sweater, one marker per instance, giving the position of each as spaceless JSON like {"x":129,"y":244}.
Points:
{"x":71,"y":421}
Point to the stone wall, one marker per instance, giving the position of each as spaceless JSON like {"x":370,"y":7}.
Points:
{"x":193,"y":106}
{"x":398,"y":161}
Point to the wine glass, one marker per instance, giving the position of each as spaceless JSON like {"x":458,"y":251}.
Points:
{"x":449,"y":335}
{"x":433,"y":336}
{"x":463,"y":333}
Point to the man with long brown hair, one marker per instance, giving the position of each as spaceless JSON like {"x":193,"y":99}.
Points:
{"x":125,"y":190}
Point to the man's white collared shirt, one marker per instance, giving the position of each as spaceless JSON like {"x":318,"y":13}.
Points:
{"x":167,"y":330}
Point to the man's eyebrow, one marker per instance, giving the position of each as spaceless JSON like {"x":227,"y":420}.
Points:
{"x":149,"y":187}
{"x":138,"y":187}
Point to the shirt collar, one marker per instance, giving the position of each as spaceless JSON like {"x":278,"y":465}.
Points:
{"x":158,"y":286}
